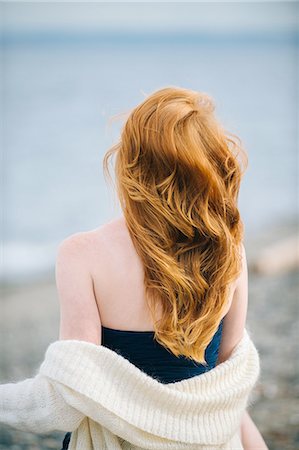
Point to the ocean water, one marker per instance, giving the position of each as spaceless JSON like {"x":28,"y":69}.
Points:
{"x":58,"y":97}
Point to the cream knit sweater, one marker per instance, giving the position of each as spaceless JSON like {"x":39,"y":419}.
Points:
{"x":109,"y":403}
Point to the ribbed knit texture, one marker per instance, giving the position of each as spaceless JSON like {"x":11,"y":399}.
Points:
{"x":109,"y":403}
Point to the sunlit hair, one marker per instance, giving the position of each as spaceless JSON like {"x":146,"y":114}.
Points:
{"x":177,"y":180}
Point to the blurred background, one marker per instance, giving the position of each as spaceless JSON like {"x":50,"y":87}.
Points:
{"x":67,"y":69}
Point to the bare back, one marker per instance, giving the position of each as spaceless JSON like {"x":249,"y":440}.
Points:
{"x":116,"y":272}
{"x":118,"y":280}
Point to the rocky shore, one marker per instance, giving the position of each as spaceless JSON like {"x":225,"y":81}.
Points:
{"x":29,"y":321}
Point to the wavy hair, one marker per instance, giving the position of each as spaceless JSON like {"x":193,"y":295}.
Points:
{"x":177,"y":180}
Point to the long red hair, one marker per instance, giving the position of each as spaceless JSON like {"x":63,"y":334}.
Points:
{"x":178,"y":179}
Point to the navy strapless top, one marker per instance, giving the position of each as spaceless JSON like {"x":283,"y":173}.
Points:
{"x":141,"y":349}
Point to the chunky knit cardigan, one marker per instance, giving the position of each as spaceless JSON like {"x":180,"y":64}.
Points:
{"x":109,"y":403}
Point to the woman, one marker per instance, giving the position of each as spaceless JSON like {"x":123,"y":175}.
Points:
{"x":165,"y":285}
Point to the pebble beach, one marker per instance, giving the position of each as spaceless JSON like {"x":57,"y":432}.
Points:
{"x":29,"y":321}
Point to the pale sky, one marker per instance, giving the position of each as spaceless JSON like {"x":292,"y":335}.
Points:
{"x":165,"y":16}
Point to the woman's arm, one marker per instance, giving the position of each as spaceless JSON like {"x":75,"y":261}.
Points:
{"x":36,"y":405}
{"x":233,"y":328}
{"x":250,"y":435}
{"x":235,"y":319}
{"x":79,"y":315}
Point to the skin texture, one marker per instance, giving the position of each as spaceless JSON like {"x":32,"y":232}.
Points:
{"x":99,"y":279}
{"x":251,"y":437}
{"x":233,"y":327}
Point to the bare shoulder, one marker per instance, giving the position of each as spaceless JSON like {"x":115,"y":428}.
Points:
{"x":75,"y":263}
{"x":87,"y":242}
{"x":235,"y":320}
{"x":76,"y":242}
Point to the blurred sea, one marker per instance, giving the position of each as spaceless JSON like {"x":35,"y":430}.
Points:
{"x":59,"y":92}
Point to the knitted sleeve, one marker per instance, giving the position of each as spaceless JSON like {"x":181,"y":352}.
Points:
{"x":35,"y":405}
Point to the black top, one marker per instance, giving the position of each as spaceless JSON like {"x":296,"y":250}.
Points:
{"x":141,"y":349}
